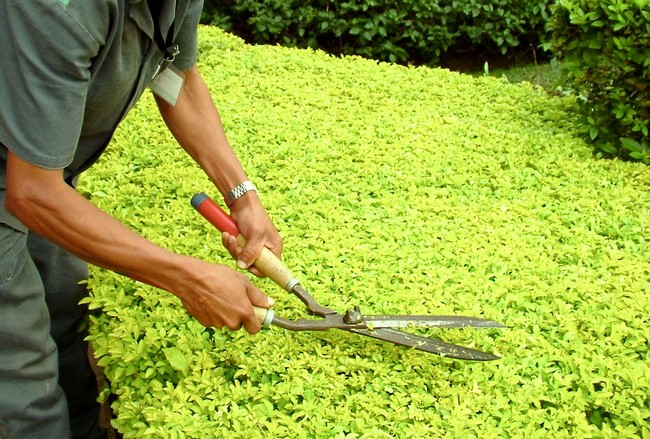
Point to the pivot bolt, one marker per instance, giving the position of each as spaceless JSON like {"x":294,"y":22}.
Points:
{"x":353,"y":316}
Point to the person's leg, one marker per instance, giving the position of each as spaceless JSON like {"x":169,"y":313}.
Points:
{"x":62,"y":273}
{"x":32,"y":405}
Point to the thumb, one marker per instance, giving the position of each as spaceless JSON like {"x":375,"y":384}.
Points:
{"x":258,"y":298}
{"x":249,"y":254}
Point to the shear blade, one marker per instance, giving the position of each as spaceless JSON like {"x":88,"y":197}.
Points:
{"x":429,"y":321}
{"x":426,"y":344}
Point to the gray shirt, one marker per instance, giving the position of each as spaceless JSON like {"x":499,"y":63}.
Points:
{"x":72,"y":69}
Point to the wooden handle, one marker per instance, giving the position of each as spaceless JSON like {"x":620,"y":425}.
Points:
{"x":267,"y":263}
{"x":264,"y":316}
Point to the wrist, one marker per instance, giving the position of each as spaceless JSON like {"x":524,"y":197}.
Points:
{"x":239,"y":191}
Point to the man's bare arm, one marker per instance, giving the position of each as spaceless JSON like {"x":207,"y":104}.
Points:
{"x":196,"y":124}
{"x":214,"y":294}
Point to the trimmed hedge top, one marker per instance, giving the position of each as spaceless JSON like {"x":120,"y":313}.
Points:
{"x":402,"y":190}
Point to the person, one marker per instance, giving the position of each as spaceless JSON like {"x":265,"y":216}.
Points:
{"x":70,"y":72}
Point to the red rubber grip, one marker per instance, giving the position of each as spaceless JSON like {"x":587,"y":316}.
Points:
{"x":215,"y":214}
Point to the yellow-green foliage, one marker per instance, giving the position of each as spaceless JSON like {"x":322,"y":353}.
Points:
{"x":401,"y":190}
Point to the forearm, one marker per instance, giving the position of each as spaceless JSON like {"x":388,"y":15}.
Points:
{"x":195,"y":123}
{"x":63,"y":216}
{"x":215,"y":294}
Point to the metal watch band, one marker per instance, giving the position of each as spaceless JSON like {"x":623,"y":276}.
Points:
{"x":239,"y":190}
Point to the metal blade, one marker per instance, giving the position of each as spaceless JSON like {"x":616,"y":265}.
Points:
{"x":426,"y":344}
{"x":429,"y":321}
{"x":378,"y":322}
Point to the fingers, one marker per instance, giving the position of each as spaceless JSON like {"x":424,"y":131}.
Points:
{"x":258,"y":230}
{"x":225,"y":298}
{"x":233,"y":247}
{"x":255,"y":240}
{"x":252,"y":324}
{"x":231,"y":244}
{"x":234,"y":318}
{"x":245,"y":256}
{"x":249,"y":254}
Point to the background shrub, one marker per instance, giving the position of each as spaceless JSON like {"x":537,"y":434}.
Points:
{"x":402,"y":190}
{"x":413,"y":31}
{"x":604,"y":45}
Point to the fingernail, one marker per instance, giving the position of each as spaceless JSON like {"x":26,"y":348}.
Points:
{"x":241,"y":264}
{"x":271,"y":301}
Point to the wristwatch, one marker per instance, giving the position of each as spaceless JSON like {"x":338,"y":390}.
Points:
{"x":239,"y":190}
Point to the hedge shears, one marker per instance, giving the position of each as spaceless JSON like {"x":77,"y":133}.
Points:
{"x":382,"y":327}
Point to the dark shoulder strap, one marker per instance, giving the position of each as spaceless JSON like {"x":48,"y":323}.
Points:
{"x":164,"y":44}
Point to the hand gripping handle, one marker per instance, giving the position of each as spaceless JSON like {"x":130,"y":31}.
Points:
{"x":267,"y":263}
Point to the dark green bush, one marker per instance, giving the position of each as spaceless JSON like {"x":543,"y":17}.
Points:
{"x":604,"y":45}
{"x":413,"y":31}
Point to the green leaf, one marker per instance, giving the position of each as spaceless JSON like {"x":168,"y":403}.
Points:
{"x":176,"y":359}
{"x":631,"y":144}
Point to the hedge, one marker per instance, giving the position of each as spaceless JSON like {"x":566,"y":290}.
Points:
{"x":402,"y":190}
{"x":405,"y":31}
{"x":604,"y":46}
